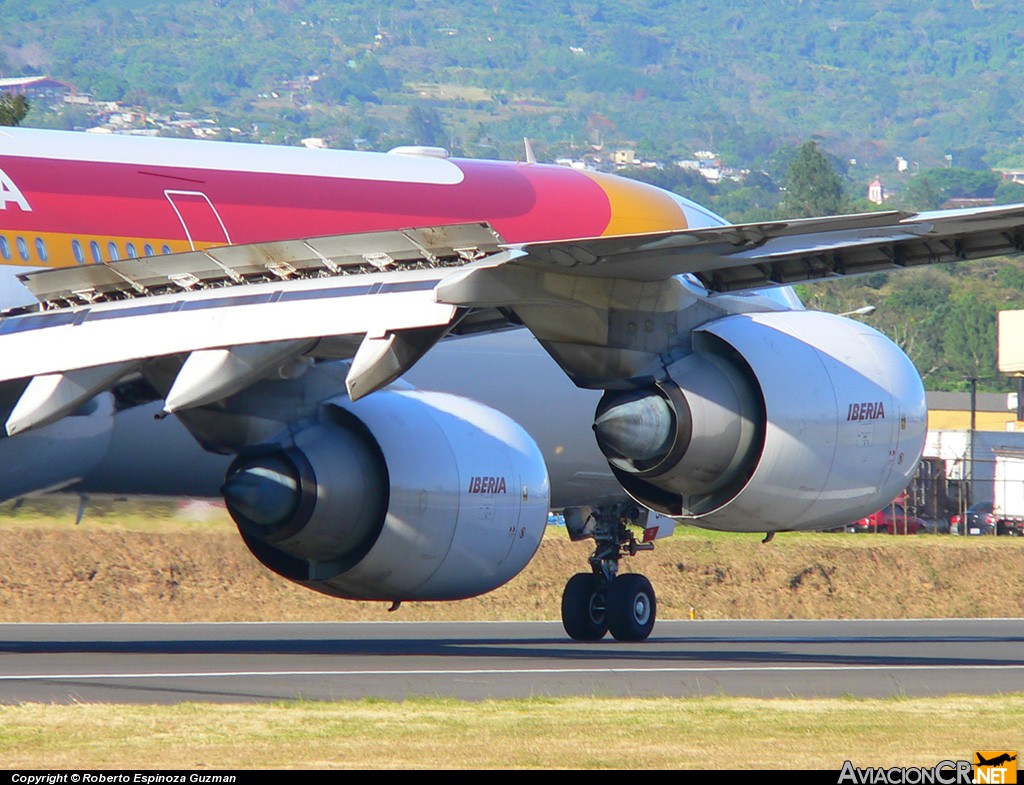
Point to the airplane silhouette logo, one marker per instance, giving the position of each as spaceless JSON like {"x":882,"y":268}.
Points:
{"x":995,"y":766}
{"x":999,"y":760}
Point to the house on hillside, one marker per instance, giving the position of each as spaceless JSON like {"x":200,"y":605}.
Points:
{"x":876,"y":192}
{"x":38,"y":88}
{"x":1013,"y":176}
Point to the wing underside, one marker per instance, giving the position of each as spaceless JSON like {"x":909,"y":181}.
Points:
{"x":753,"y":256}
{"x":228,"y":316}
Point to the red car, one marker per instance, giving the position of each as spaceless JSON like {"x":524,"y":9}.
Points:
{"x":892,"y":520}
{"x":980,"y":520}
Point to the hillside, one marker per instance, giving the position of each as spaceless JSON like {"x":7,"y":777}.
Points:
{"x":872,"y":80}
{"x":933,"y":83}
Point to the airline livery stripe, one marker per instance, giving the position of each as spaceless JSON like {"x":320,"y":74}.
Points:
{"x":60,"y":251}
{"x":234,"y":157}
{"x":244,"y":193}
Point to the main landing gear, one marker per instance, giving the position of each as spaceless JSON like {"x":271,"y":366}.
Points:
{"x":601,"y":601}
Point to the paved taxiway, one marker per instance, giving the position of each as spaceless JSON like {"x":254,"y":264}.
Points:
{"x":166,"y":663}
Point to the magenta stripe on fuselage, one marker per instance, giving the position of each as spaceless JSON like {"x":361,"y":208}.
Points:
{"x":523,"y":202}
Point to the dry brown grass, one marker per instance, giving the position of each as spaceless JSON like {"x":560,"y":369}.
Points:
{"x":144,"y":562}
{"x":706,"y":733}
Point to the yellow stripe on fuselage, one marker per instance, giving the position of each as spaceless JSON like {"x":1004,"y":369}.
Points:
{"x":638,"y":208}
{"x":60,"y":251}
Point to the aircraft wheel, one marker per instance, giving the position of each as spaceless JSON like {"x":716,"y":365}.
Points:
{"x":631,"y":607}
{"x":583,"y":608}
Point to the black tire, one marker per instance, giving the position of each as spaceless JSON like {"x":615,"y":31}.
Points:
{"x":631,"y":607}
{"x":583,"y":608}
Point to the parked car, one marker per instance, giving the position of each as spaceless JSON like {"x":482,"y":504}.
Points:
{"x":892,"y":520}
{"x":980,"y":520}
{"x":936,"y":525}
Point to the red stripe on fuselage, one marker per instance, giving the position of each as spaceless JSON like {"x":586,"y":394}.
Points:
{"x":523,"y":203}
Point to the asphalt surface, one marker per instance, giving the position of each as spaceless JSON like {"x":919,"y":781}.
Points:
{"x":168,"y":663}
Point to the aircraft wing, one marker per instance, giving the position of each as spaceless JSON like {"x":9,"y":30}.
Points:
{"x":752,"y":256}
{"x":229,"y":315}
{"x":382,"y":299}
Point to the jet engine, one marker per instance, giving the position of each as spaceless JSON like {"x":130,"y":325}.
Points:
{"x":775,"y":421}
{"x":60,"y":454}
{"x":403,"y":495}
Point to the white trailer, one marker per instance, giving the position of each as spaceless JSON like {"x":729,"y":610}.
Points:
{"x":1008,"y":491}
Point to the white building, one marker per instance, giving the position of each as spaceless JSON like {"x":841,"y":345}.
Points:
{"x":876,"y":192}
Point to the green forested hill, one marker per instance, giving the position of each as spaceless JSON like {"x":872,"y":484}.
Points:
{"x":870,"y":80}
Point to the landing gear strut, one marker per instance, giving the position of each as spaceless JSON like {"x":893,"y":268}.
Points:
{"x":602,"y":601}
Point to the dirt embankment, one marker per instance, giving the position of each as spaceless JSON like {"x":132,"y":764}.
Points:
{"x":104,"y":573}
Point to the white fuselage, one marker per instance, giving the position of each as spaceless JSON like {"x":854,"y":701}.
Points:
{"x":540,"y":397}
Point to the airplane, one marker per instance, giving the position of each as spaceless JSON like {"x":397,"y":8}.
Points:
{"x":393,"y":365}
{"x":998,"y":760}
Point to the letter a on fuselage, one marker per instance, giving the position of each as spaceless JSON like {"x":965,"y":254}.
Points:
{"x":9,"y":192}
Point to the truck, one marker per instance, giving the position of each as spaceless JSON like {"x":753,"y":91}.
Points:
{"x":1008,"y":492}
{"x":986,"y":467}
{"x":929,"y":495}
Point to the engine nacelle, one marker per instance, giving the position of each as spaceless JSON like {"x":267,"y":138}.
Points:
{"x":776,"y":421}
{"x":60,"y":454}
{"x":403,"y":495}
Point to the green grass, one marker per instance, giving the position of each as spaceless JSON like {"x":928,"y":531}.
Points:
{"x":574,"y":733}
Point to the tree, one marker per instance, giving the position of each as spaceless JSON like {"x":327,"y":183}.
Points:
{"x":812,"y":186}
{"x":426,"y":126}
{"x":969,"y":338}
{"x":957,"y":182}
{"x":921,"y":193}
{"x":13,"y":109}
{"x":929,"y":189}
{"x":1009,"y":193}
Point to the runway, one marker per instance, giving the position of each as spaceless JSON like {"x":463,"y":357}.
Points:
{"x":169,"y":663}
